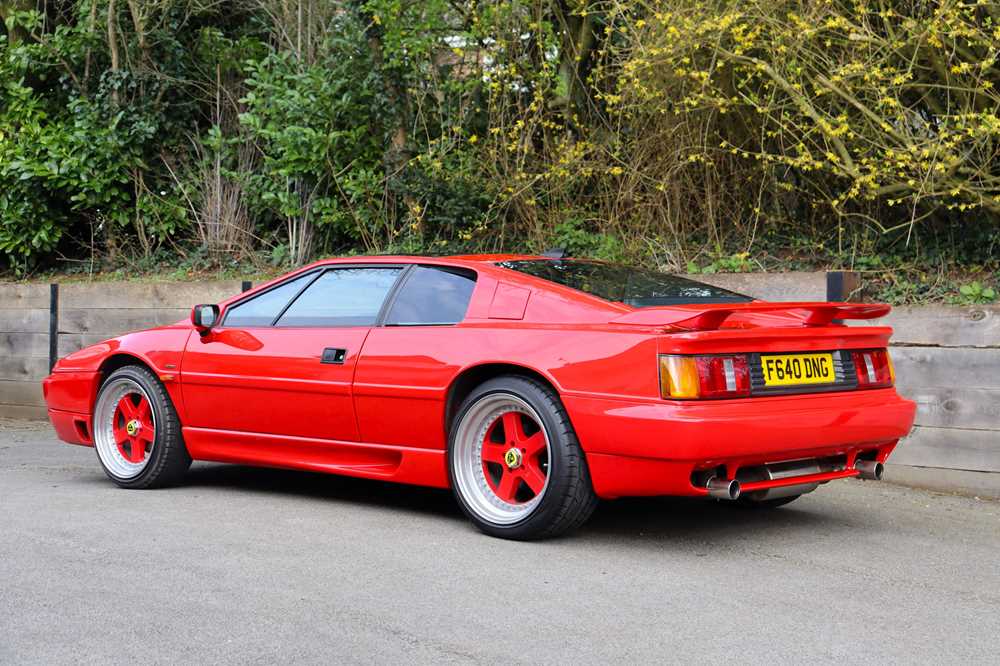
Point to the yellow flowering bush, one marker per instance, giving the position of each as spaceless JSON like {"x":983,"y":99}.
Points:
{"x":718,"y":119}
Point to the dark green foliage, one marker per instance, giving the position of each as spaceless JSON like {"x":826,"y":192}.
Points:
{"x":692,"y":135}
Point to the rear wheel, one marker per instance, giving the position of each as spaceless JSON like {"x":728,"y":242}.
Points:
{"x":137,"y":434}
{"x":516,"y":466}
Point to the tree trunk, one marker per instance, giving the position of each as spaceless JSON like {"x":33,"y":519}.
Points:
{"x":113,"y":44}
{"x":578,"y":41}
{"x":91,"y":29}
{"x":8,"y":8}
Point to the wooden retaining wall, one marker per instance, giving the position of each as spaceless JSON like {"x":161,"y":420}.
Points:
{"x":86,"y":313}
{"x":24,"y":348}
{"x":947,"y":359}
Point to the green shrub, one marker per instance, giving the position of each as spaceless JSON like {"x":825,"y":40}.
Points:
{"x":719,"y":135}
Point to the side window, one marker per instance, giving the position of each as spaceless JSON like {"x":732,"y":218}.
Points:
{"x":432,"y":295}
{"x":262,"y":310}
{"x":342,"y":297}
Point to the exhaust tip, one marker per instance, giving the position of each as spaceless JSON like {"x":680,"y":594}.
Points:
{"x":870,"y":469}
{"x":724,"y":489}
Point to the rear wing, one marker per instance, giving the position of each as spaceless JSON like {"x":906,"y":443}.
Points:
{"x":696,"y":317}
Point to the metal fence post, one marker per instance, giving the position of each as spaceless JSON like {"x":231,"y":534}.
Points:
{"x":53,"y":325}
{"x":841,"y":285}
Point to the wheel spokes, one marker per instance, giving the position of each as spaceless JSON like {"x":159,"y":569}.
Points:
{"x":513,"y":429}
{"x":533,"y":445}
{"x":508,"y":486}
{"x":517,"y":457}
{"x":138,"y":450}
{"x":144,"y":411}
{"x":534,"y":477}
{"x":127,"y":407}
{"x":493,"y":452}
{"x":132,"y":426}
{"x":118,"y":432}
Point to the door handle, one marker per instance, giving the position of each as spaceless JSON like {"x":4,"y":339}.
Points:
{"x":333,"y":355}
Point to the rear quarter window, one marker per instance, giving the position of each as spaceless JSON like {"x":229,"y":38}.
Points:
{"x":432,"y":295}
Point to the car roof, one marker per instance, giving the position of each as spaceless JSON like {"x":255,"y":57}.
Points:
{"x":455,"y":259}
{"x":476,"y":262}
{"x":481,"y":263}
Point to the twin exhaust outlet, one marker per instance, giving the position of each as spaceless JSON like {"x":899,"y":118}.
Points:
{"x":729,"y":489}
{"x":869,"y":469}
{"x":724,"y":489}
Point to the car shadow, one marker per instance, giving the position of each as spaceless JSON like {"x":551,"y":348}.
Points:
{"x":344,"y":489}
{"x":707,"y":521}
{"x":652,"y":519}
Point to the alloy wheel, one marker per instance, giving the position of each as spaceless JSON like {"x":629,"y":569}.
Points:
{"x":124,"y":428}
{"x":502,"y":458}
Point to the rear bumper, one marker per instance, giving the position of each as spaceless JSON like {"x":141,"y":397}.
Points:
{"x":652,"y":448}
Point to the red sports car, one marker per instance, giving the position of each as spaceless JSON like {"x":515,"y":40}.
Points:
{"x":531,"y":386}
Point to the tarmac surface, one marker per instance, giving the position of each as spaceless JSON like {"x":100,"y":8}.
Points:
{"x":261,"y":566}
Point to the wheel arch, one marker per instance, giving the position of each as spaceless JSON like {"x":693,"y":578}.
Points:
{"x":120,"y":360}
{"x":471,"y":377}
{"x":114,"y":362}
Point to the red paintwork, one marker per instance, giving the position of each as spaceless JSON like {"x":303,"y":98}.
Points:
{"x":697,"y":318}
{"x":260,"y":395}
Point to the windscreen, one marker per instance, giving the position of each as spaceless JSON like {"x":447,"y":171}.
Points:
{"x":638,"y":287}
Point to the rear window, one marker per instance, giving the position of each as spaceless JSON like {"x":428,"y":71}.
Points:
{"x":633,"y":286}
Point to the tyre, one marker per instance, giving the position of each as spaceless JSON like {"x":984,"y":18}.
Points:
{"x":749,"y":503}
{"x":137,"y":434}
{"x":514,"y":461}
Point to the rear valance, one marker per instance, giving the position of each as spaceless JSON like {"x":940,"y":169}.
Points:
{"x":710,"y":317}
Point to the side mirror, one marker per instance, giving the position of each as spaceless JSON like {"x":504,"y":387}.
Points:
{"x":204,"y":317}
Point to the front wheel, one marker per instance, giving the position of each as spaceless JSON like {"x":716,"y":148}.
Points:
{"x":136,"y":431}
{"x":515,"y":464}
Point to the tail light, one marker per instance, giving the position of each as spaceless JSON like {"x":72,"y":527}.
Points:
{"x":706,"y":377}
{"x":874,"y":368}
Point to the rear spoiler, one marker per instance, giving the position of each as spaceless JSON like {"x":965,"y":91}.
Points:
{"x":711,"y":317}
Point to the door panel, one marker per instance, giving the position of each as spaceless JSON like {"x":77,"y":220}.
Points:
{"x":406,"y":372}
{"x":273,"y":380}
{"x":408,"y":364}
{"x":283,"y":363}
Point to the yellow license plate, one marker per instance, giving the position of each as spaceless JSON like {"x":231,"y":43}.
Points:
{"x":795,"y":369}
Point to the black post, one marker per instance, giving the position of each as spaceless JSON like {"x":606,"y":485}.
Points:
{"x":842,"y":285}
{"x":834,"y":285}
{"x":247,"y":285}
{"x":53,"y":325}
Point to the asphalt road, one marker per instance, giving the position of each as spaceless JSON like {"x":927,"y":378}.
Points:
{"x":250,"y":566}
